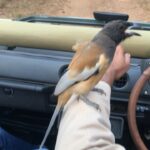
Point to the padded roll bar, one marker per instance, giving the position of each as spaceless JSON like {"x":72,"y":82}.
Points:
{"x":62,"y":37}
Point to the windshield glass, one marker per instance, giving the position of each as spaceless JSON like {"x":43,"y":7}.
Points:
{"x":138,"y":10}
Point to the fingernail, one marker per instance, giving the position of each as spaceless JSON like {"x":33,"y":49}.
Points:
{"x":128,"y":54}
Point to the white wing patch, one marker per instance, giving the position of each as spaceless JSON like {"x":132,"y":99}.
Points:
{"x":65,"y":81}
{"x":86,"y":73}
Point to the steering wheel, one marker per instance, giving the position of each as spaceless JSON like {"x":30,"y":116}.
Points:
{"x":132,"y":110}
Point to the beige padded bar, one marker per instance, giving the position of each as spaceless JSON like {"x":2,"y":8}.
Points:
{"x":62,"y":37}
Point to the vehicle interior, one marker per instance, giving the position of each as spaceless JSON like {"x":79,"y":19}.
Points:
{"x":35,"y":52}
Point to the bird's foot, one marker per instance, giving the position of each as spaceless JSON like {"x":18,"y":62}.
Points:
{"x":100,"y":91}
{"x":87,"y":101}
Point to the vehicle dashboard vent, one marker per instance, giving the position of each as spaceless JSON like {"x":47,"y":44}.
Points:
{"x":121,"y":82}
{"x":63,"y":70}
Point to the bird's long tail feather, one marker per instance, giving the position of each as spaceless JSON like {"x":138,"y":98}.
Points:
{"x":55,"y":114}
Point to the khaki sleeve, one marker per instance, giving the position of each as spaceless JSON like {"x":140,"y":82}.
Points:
{"x":82,"y":127}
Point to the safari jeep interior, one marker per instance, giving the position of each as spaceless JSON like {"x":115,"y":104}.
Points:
{"x":35,"y":52}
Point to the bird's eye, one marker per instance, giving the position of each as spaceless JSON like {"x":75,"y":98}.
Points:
{"x":121,"y":28}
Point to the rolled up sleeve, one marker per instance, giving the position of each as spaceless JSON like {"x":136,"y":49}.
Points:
{"x":82,"y":127}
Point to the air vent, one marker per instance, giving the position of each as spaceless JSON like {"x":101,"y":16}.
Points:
{"x":121,"y":82}
{"x":62,"y":70}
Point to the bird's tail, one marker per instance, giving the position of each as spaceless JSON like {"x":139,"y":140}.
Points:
{"x":62,"y":100}
{"x":55,"y":114}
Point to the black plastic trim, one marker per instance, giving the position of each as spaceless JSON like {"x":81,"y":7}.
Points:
{"x":82,"y":21}
{"x":109,"y":16}
{"x":63,"y":20}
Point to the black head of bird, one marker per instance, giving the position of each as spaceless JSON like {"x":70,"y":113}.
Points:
{"x":116,"y":30}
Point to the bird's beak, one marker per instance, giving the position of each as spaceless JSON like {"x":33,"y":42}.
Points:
{"x":131,"y":25}
{"x":129,"y":34}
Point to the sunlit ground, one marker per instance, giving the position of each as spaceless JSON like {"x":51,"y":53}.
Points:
{"x":137,"y":9}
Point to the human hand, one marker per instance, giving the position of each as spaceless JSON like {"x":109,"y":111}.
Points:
{"x":120,"y":64}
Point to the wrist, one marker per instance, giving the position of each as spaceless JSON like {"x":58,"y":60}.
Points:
{"x":109,"y":76}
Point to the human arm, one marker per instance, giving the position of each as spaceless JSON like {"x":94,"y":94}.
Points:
{"x":84,"y":128}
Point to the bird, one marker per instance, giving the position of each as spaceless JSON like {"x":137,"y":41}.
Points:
{"x":89,"y":64}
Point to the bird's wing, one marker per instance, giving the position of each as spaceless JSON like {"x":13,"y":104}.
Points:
{"x":83,"y":65}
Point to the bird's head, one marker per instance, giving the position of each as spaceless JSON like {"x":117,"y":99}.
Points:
{"x":116,"y":30}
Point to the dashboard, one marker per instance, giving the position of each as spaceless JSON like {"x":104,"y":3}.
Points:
{"x":28,"y":77}
{"x":39,"y":67}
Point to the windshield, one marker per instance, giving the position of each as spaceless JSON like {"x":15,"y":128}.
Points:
{"x":138,"y":10}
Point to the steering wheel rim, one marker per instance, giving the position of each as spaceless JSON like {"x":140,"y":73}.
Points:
{"x":132,"y":110}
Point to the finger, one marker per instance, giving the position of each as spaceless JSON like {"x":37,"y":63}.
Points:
{"x":116,"y":52}
{"x":127,"y":59}
{"x":119,"y":49}
{"x":147,"y":72}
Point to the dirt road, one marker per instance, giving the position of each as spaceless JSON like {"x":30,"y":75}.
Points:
{"x":137,"y":9}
